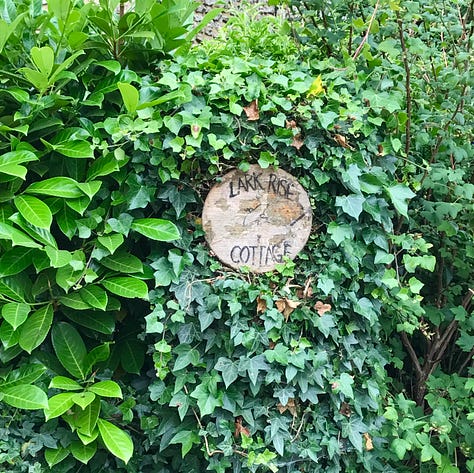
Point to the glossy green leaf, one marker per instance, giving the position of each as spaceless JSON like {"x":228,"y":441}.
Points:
{"x":86,"y":419}
{"x":75,"y":149}
{"x":70,"y":348}
{"x":17,"y":157}
{"x":106,"y":389}
{"x":53,"y":456}
{"x":15,"y":313}
{"x":58,"y":405}
{"x":43,"y":59}
{"x":130,"y":96}
{"x":111,"y":241}
{"x":65,"y":384}
{"x":15,"y":261}
{"x":25,"y":396}
{"x":96,"y":355}
{"x":74,"y":301}
{"x":17,"y":237}
{"x":128,"y":287}
{"x":94,"y":296}
{"x":8,"y":335}
{"x":58,"y":258}
{"x":64,"y":187}
{"x":82,"y":452}
{"x":83,"y":399}
{"x":103,"y":322}
{"x":87,"y":439}
{"x":123,"y":262}
{"x":36,"y":328}
{"x":34,"y":211}
{"x":116,"y":440}
{"x":156,"y":229}
{"x":26,"y":374}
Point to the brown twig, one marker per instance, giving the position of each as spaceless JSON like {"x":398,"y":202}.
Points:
{"x":407,"y":84}
{"x":414,"y":358}
{"x":366,"y":36}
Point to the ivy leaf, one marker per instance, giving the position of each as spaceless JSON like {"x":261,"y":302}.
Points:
{"x":187,"y":438}
{"x":228,"y":369}
{"x":351,"y":204}
{"x":400,"y":446}
{"x":400,"y":194}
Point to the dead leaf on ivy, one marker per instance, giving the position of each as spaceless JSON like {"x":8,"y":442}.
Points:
{"x":368,"y":442}
{"x":261,"y":305}
{"x":290,"y":124}
{"x":345,"y":409}
{"x":341,"y":140}
{"x":297,"y":141}
{"x":286,"y":306}
{"x":252,"y":112}
{"x":322,"y":308}
{"x":240,"y":428}
{"x":290,"y":406}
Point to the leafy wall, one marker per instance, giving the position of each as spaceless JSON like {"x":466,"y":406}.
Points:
{"x":125,"y":335}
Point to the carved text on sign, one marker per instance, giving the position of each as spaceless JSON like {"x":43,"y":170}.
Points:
{"x":257,"y":218}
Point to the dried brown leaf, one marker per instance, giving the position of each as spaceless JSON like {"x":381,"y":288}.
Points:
{"x":368,"y":442}
{"x":261,"y":305}
{"x":345,"y":409}
{"x":341,"y":140}
{"x":240,"y":428}
{"x":251,"y":110}
{"x":290,"y":406}
{"x":322,"y":308}
{"x":297,"y":141}
{"x":287,"y":306}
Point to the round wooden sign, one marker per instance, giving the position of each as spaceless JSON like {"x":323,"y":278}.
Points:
{"x":257,"y":218}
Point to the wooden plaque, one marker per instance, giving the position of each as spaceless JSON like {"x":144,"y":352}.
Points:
{"x":254,"y":219}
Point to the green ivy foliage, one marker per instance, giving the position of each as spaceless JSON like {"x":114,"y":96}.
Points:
{"x":139,"y":350}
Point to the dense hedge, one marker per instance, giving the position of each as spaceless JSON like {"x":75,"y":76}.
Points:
{"x":135,"y":348}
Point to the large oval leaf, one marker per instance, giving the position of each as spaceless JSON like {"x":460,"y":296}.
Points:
{"x":58,"y":405}
{"x":25,"y":396}
{"x":116,"y":440}
{"x":15,"y":313}
{"x":95,"y":296}
{"x":70,"y":348}
{"x":156,"y":229}
{"x":126,"y":287}
{"x":64,"y":187}
{"x":15,"y":260}
{"x":82,"y":452}
{"x":34,"y":211}
{"x":36,"y":327}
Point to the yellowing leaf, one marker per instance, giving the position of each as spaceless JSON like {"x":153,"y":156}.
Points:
{"x":316,"y":87}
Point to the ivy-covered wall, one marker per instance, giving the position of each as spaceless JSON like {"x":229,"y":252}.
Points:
{"x":131,"y":345}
